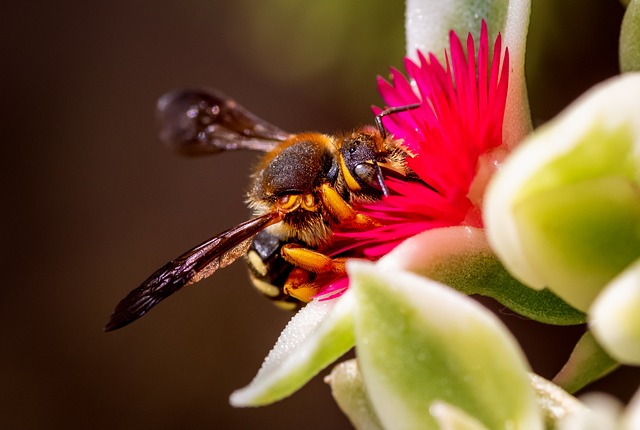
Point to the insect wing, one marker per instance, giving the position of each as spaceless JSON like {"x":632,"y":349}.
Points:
{"x":192,"y":266}
{"x":200,"y":122}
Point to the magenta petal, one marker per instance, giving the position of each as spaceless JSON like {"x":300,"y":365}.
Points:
{"x":463,"y":100}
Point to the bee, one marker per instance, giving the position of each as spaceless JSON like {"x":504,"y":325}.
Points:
{"x":304,"y":186}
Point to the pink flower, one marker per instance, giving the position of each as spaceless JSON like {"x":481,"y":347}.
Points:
{"x":454,"y":139}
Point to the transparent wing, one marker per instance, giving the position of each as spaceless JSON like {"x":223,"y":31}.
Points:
{"x":200,"y":122}
{"x":192,"y":266}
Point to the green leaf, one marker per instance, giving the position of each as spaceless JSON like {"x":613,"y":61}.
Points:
{"x":555,"y":403}
{"x":461,"y":258}
{"x":348,"y":390}
{"x":587,"y":363}
{"x":630,"y":38}
{"x":451,"y":418}
{"x":615,"y":317}
{"x":573,"y":229}
{"x":564,"y":211}
{"x":428,"y":23}
{"x":316,"y":336}
{"x":419,"y":342}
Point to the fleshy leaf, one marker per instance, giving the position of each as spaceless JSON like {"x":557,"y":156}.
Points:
{"x":451,"y":418}
{"x":419,"y":342}
{"x":601,"y":412}
{"x":631,"y":418}
{"x":555,"y":403}
{"x":630,"y":38}
{"x":587,"y":363}
{"x":428,"y":23}
{"x":348,"y":390}
{"x":564,"y":211}
{"x":316,"y":336}
{"x":615,"y":316}
{"x":461,"y":258}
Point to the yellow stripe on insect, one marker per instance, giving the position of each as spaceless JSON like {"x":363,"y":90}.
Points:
{"x":348,"y":177}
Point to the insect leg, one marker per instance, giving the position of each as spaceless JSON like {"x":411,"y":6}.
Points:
{"x":343,"y":211}
{"x":310,"y":260}
{"x":297,"y":285}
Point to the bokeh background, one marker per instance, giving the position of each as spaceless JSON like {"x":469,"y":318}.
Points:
{"x":93,"y":203}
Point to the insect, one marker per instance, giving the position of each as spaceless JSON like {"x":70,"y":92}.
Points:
{"x":303,"y":187}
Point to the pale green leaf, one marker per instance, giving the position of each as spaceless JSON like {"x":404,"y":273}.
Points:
{"x":601,"y":412}
{"x":428,"y":23}
{"x":461,"y":258}
{"x":630,"y":38}
{"x":449,"y":417}
{"x":588,"y":362}
{"x":555,"y":403}
{"x":564,"y":211}
{"x":419,"y":342}
{"x":631,"y":419}
{"x":615,"y":316}
{"x":317,"y":335}
{"x":348,"y":390}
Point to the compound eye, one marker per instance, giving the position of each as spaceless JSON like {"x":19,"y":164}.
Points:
{"x":368,"y":174}
{"x":288,"y":202}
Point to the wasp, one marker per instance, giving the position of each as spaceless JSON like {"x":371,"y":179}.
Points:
{"x":303,"y":188}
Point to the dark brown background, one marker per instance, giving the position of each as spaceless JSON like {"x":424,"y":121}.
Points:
{"x":93,"y":203}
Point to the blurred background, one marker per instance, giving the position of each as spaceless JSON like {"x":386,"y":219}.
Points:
{"x":94,"y":203}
